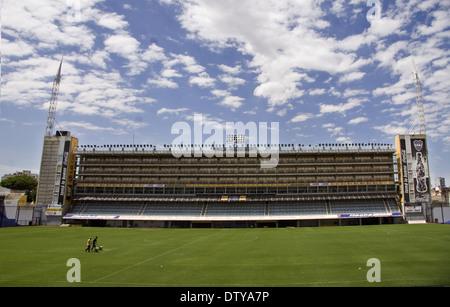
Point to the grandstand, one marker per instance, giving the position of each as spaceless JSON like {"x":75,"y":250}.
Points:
{"x":147,"y":186}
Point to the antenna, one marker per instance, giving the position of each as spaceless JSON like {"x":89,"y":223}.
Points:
{"x":53,"y":102}
{"x":419,"y":101}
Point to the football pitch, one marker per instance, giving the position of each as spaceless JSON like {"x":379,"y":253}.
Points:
{"x":409,"y":255}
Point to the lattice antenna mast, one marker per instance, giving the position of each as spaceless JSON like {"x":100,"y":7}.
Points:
{"x":419,"y":101}
{"x":53,"y":102}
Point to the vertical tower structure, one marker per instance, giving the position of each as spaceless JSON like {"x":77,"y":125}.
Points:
{"x":413,"y":166}
{"x":53,"y":102}
{"x":58,"y":163}
{"x":419,"y":101}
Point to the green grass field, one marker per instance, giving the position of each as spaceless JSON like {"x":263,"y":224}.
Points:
{"x":410,"y":255}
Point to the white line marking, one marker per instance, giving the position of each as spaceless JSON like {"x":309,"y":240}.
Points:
{"x":155,"y":257}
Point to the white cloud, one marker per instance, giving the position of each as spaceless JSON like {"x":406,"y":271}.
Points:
{"x":16,"y":49}
{"x":439,"y":23}
{"x":188,"y":62}
{"x":231,"y":81}
{"x":342,"y":107}
{"x":112,"y":21}
{"x":129,"y":48}
{"x":354,"y":92}
{"x":38,"y":20}
{"x":281,"y":30}
{"x":202,"y":80}
{"x":171,"y":111}
{"x":129,"y":124}
{"x":231,"y":70}
{"x":301,"y":117}
{"x":386,"y":26}
{"x":233,"y":102}
{"x":220,"y":93}
{"x":351,"y":76}
{"x":170,"y":73}
{"x":228,"y":100}
{"x":153,"y":53}
{"x":162,"y":82}
{"x":357,"y":120}
{"x":89,"y":126}
{"x":391,"y":129}
{"x":317,"y":91}
{"x":124,"y":45}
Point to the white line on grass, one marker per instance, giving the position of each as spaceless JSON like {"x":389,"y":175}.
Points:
{"x":154,"y":257}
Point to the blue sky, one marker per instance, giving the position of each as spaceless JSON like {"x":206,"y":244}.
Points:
{"x":324,"y":70}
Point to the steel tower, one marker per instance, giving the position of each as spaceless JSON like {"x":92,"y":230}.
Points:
{"x":419,"y":101}
{"x":53,"y":102}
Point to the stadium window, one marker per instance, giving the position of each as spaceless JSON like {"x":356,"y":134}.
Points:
{"x":179,"y":190}
{"x":322,"y":189}
{"x":312,"y":189}
{"x":390,"y":187}
{"x":231,"y":190}
{"x":362,"y":188}
{"x":251,"y":190}
{"x":292,"y":190}
{"x":169,"y":191}
{"x":80,"y":190}
{"x":342,"y":189}
{"x":210,"y":190}
{"x":272,"y":190}
{"x":381,"y":187}
{"x":148,"y":191}
{"x":241,"y":190}
{"x":89,"y":190}
{"x":262,"y":190}
{"x":220,"y":190}
{"x":99,"y":190}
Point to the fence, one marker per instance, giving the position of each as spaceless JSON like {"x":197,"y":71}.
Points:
{"x":21,"y":215}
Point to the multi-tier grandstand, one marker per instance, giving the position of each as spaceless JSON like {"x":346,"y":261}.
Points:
{"x":148,"y":186}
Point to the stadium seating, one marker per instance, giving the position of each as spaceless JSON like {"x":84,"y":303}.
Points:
{"x":238,"y":208}
{"x":173,"y":209}
{"x":235,"y":209}
{"x":366,"y":206}
{"x":113,"y":209}
{"x":295,"y":208}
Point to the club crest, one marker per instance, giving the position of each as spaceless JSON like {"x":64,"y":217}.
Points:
{"x":418,"y":145}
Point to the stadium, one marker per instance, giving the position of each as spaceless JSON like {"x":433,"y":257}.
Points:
{"x":322,"y":185}
{"x":122,"y":190}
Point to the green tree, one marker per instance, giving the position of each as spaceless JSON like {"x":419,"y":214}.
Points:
{"x":22,"y":182}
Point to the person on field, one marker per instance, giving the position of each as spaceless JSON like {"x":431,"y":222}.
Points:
{"x":88,"y":248}
{"x":94,"y":244}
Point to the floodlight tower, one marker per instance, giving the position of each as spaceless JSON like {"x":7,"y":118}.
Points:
{"x":419,"y":100}
{"x":53,"y":102}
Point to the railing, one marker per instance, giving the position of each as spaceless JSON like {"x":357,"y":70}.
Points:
{"x":209,"y":149}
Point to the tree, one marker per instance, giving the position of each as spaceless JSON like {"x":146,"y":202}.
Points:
{"x":22,"y":182}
